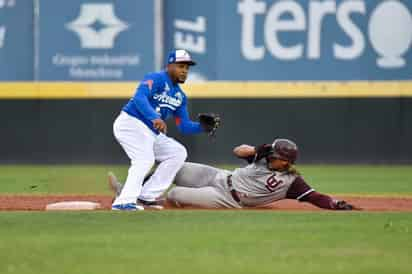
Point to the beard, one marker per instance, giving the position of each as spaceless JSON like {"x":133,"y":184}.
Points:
{"x":181,"y":81}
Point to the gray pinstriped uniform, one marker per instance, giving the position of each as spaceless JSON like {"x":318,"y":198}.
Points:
{"x":206,"y":186}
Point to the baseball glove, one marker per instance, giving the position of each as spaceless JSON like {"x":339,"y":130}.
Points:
{"x":263,"y":151}
{"x":209,"y":122}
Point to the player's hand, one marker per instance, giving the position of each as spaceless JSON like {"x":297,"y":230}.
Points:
{"x":343,"y":205}
{"x":160,"y":125}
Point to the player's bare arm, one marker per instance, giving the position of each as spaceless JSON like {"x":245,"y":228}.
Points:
{"x":244,"y":151}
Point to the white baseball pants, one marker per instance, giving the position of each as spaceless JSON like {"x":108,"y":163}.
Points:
{"x":143,"y":147}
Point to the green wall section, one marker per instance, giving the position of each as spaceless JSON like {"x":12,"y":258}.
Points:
{"x":346,"y":130}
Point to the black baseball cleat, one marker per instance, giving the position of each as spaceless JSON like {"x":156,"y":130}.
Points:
{"x":155,"y":205}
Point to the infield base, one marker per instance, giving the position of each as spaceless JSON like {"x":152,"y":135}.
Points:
{"x":73,"y":205}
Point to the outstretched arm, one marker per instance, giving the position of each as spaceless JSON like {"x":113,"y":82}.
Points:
{"x":302,"y":192}
{"x":183,"y":122}
{"x":326,"y":202}
{"x":319,"y":200}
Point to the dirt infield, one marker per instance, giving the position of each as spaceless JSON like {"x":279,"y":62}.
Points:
{"x":38,"y":203}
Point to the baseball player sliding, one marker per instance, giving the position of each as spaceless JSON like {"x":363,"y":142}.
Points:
{"x":141,"y":131}
{"x":269,"y":177}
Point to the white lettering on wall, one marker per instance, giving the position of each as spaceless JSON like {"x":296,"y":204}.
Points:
{"x":2,"y":35}
{"x":189,"y":35}
{"x":273,"y":25}
{"x":344,"y":20}
{"x":7,"y":3}
{"x":317,"y":11}
{"x":390,"y":33}
{"x":389,"y":30}
{"x":248,"y":9}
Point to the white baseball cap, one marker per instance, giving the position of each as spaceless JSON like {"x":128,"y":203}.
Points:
{"x":180,"y":56}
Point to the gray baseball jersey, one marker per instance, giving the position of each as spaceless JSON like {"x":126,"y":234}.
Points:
{"x":206,"y":186}
{"x":260,"y":185}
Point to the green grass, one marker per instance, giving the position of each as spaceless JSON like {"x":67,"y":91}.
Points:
{"x":198,"y":242}
{"x":205,"y":242}
{"x":57,"y":179}
{"x":370,"y":180}
{"x":344,"y":179}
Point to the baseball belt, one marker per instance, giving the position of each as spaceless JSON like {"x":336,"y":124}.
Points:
{"x":233,"y":192}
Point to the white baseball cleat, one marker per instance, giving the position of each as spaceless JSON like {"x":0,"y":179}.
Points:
{"x":127,"y":207}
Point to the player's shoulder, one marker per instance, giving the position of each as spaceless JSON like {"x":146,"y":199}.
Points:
{"x":156,"y":80}
{"x":155,"y":76}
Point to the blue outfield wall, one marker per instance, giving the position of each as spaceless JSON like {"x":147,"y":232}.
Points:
{"x":294,"y":40}
{"x":324,"y":69}
{"x":76,"y":40}
{"x":95,"y":40}
{"x":16,"y":40}
{"x":268,"y":40}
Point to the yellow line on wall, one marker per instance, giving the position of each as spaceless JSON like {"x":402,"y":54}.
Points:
{"x":66,"y":90}
{"x":111,"y":90}
{"x":300,"y":89}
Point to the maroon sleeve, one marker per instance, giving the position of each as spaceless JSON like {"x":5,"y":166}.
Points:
{"x":320,"y":200}
{"x":301,"y":191}
{"x":298,"y":189}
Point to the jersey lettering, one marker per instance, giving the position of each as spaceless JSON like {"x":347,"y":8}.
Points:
{"x":272,"y":183}
{"x":164,"y":98}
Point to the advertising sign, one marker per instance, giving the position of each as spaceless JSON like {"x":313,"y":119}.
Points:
{"x":191,"y":25}
{"x":16,"y":40}
{"x":96,"y":40}
{"x":297,"y":40}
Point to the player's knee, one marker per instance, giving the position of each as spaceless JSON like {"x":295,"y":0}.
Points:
{"x":179,"y":176}
{"x":172,"y":196}
{"x":147,"y":162}
{"x":181,"y":154}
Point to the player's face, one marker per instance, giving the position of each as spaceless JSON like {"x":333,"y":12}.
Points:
{"x":279,"y":164}
{"x":178,"y":72}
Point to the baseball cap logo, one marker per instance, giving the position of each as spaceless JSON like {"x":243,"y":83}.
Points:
{"x":91,"y":14}
{"x":180,"y":56}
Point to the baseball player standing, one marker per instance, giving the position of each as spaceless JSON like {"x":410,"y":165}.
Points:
{"x":141,"y":131}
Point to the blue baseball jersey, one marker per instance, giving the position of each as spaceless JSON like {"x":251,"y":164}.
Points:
{"x":158,"y":97}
